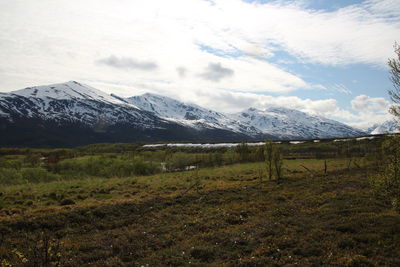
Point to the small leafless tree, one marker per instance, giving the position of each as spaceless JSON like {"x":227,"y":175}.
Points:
{"x":394,"y":65}
{"x":277,"y":158}
{"x":269,"y":157}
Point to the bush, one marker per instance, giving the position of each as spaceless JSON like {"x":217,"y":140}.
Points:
{"x":243,"y":151}
{"x":32,"y":160}
{"x":179,"y":161}
{"x":38,"y":175}
{"x":388,"y":182}
{"x":104,"y":166}
{"x":10,"y":176}
{"x":11,"y":164}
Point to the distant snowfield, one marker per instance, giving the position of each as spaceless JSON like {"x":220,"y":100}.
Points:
{"x":217,"y":145}
{"x":206,"y":145}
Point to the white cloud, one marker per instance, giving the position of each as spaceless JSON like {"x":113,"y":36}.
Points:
{"x":365,"y":112}
{"x":232,"y":102}
{"x":127,"y":63}
{"x":384,"y":8}
{"x":65,"y":37}
{"x":341,"y":89}
{"x":364,"y":103}
{"x":215,"y":72}
{"x":348,"y":35}
{"x":369,"y":111}
{"x":43,"y":42}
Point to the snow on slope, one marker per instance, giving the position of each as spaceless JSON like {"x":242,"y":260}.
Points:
{"x":67,"y":91}
{"x":289,"y":123}
{"x":190,"y":114}
{"x":75,"y":102}
{"x":72,"y":102}
{"x":390,"y":126}
{"x":278,"y":122}
{"x":170,"y":108}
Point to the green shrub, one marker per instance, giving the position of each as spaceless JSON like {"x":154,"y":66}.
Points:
{"x":104,"y":166}
{"x":10,"y":176}
{"x":32,"y":160}
{"x":38,"y":175}
{"x":14,"y":164}
{"x":179,"y":160}
{"x":243,"y":151}
{"x":388,"y":182}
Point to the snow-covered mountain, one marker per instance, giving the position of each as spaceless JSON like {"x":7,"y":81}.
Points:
{"x":280,"y":122}
{"x":71,"y":113}
{"x":390,"y":126}
{"x":68,"y":91}
{"x":191,"y":115}
{"x":288,"y":123}
{"x":71,"y":102}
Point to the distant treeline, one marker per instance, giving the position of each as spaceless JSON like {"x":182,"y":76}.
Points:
{"x":25,"y":165}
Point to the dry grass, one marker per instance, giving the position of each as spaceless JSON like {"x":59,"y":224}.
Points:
{"x":231,"y":219}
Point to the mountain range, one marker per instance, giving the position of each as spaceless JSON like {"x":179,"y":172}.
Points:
{"x":390,"y":126}
{"x":71,"y":114}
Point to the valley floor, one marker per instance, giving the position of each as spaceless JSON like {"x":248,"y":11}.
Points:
{"x":223,"y":216}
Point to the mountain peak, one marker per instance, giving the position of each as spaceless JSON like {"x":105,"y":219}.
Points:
{"x":154,"y":95}
{"x":77,"y":102}
{"x":157,"y":97}
{"x":190,"y":114}
{"x":74,"y":82}
{"x":163,"y":106}
{"x":67,"y":91}
{"x":291,"y":123}
{"x":389,"y":126}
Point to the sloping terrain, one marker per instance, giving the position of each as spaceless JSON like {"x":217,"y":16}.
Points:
{"x":72,"y":114}
{"x":280,"y":123}
{"x":291,"y":124}
{"x":390,"y":126}
{"x":191,"y":115}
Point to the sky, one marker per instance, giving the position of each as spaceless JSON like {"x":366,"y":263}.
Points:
{"x":323,"y":57}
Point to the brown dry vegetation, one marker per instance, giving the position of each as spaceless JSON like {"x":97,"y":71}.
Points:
{"x":230,"y":218}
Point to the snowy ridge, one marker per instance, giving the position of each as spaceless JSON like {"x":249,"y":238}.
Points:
{"x":170,"y":108}
{"x":278,"y":122}
{"x":85,"y":106}
{"x":288,"y":123}
{"x":67,"y":91}
{"x":390,"y":126}
{"x":190,"y":114}
{"x":72,"y":102}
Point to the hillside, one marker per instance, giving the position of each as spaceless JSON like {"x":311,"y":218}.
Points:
{"x":71,"y":114}
{"x":390,"y":126}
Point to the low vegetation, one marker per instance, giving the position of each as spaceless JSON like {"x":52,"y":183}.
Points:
{"x":311,"y":204}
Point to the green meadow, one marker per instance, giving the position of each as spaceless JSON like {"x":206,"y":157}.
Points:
{"x":125,"y":205}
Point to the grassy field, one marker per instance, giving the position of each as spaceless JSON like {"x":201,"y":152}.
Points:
{"x":221,"y":216}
